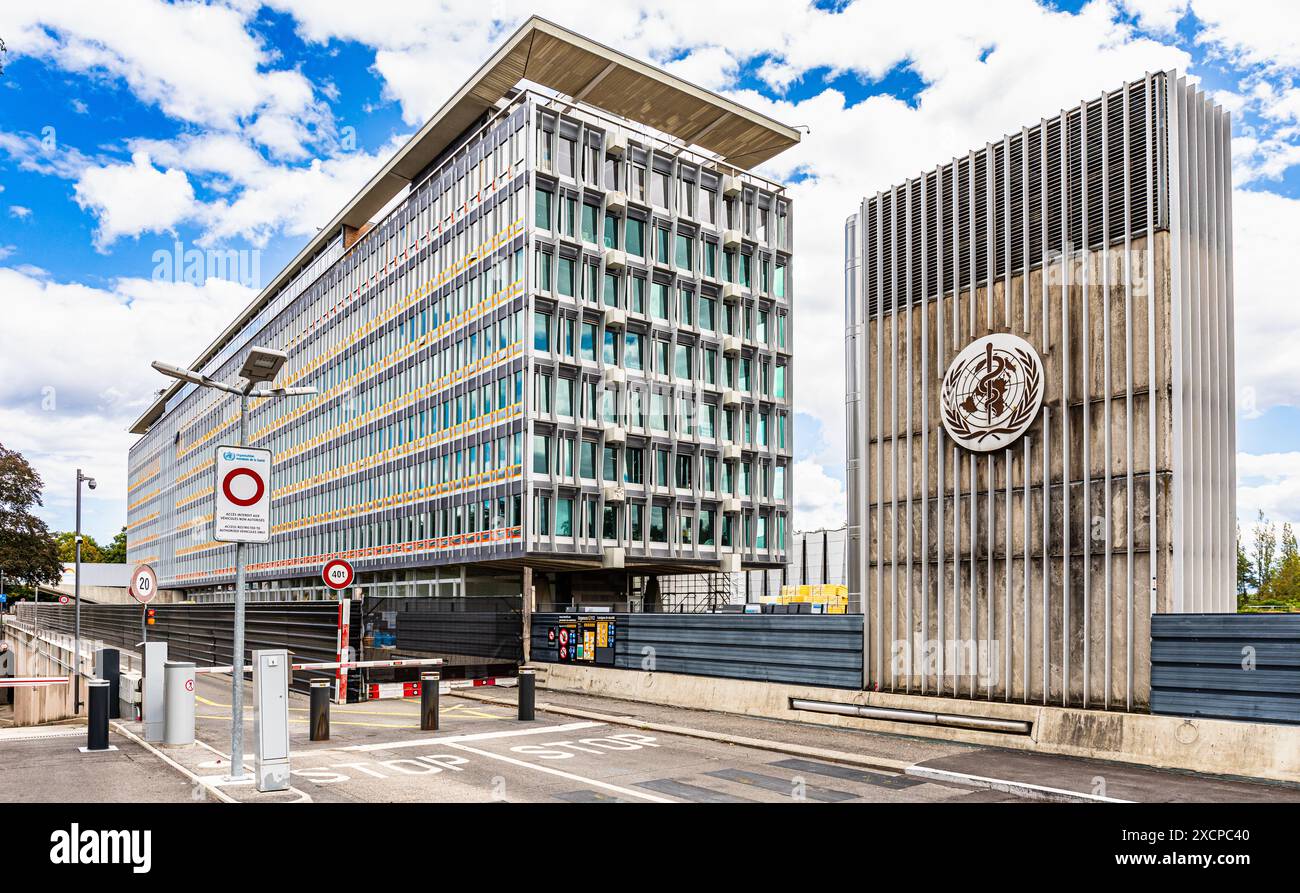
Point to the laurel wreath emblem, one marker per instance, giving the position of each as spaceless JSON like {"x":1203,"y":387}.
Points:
{"x":960,"y":427}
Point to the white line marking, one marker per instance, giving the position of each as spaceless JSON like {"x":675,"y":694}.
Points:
{"x":1018,"y":788}
{"x":476,"y":736}
{"x":223,"y":797}
{"x":562,"y":774}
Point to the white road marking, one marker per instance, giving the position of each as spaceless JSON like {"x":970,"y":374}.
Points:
{"x":1018,"y":788}
{"x":581,"y":779}
{"x":476,"y":736}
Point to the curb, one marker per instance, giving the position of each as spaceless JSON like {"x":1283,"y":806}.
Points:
{"x":1018,"y":788}
{"x":220,"y":795}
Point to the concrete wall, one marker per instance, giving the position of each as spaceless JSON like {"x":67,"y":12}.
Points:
{"x":1203,"y":745}
{"x":44,"y":655}
{"x":1030,"y":573}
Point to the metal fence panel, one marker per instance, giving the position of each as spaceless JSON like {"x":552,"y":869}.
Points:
{"x":1226,"y":666}
{"x":204,"y":633}
{"x":482,"y":626}
{"x":808,"y":649}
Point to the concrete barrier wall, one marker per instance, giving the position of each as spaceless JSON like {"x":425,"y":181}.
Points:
{"x":1219,"y":747}
{"x":44,"y":655}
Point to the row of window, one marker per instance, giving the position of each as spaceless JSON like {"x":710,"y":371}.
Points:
{"x":663,"y":180}
{"x":643,"y":523}
{"x":673,"y":245}
{"x":572,"y":458}
{"x":670,"y":358}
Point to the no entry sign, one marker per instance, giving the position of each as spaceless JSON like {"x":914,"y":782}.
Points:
{"x":144,"y":584}
{"x":243,"y":495}
{"x":337,"y":573}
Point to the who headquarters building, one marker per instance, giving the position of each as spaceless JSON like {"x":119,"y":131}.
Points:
{"x":551,"y":336}
{"x":1040,"y":403}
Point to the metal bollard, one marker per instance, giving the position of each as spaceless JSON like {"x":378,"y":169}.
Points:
{"x":320,"y":710}
{"x":527,"y":694}
{"x":108,"y":667}
{"x":430,"y":681}
{"x":178,"y":725}
{"x":97,"y":719}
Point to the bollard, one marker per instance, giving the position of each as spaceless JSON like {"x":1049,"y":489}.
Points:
{"x":320,"y":710}
{"x":527,"y":694}
{"x":178,"y":692}
{"x":108,"y":668}
{"x":429,"y":683}
{"x":97,"y":717}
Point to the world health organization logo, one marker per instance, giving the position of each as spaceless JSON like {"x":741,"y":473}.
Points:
{"x":992,"y":392}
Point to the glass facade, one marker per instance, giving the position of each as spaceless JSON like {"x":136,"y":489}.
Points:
{"x":464,"y":349}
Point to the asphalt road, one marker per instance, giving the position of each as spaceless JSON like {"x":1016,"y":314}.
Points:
{"x":483,"y":753}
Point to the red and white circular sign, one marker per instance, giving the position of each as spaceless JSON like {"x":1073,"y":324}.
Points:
{"x":338,"y":574}
{"x":243,"y":486}
{"x":63,"y":599}
{"x":144,"y":584}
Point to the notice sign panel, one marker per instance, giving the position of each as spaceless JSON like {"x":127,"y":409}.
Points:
{"x":243,"y":490}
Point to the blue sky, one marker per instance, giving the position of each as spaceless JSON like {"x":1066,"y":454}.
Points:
{"x":128,"y":127}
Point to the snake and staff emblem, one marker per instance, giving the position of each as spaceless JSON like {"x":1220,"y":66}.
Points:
{"x":992,"y":392}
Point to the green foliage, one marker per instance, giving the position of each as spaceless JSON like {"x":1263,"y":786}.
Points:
{"x":1269,"y":577}
{"x":91,"y":553}
{"x":28,"y":553}
{"x":115,"y":552}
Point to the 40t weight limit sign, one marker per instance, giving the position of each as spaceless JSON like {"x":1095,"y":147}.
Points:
{"x":243,"y":495}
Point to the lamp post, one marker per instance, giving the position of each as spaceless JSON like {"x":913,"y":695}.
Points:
{"x":261,"y":366}
{"x":76,"y":594}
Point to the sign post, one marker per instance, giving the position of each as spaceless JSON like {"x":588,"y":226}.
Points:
{"x":144,"y":586}
{"x":242,"y":514}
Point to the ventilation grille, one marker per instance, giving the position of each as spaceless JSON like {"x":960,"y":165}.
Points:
{"x":1015,"y":201}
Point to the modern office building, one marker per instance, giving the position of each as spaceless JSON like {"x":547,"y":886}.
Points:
{"x":565,"y":346}
{"x":1040,"y":402}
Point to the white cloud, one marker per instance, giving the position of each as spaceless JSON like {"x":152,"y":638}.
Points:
{"x":130,"y":199}
{"x":1261,"y":32}
{"x":818,"y":498}
{"x":198,"y":63}
{"x":20,"y":212}
{"x":75,"y":370}
{"x":1268,"y":482}
{"x":1267,"y":316}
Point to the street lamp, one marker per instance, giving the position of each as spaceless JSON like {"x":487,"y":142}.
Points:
{"x":261,"y":366}
{"x":76,"y":594}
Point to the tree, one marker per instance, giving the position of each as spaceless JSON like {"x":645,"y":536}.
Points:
{"x":1264,"y":551}
{"x":115,"y":552}
{"x":1285,"y":585}
{"x":28,"y":553}
{"x":91,"y":553}
{"x":1245,"y":571}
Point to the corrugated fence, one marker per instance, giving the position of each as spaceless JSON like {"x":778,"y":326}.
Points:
{"x":203,"y":633}
{"x":796,"y":648}
{"x":482,"y":626}
{"x":1226,"y":666}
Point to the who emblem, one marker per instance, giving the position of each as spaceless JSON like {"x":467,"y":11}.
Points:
{"x":992,"y":392}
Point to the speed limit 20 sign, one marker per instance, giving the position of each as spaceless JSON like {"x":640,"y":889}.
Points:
{"x":144,"y":584}
{"x":338,"y":574}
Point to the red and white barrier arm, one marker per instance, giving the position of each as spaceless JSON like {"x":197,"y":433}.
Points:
{"x":338,"y":665}
{"x":31,"y":681}
{"x":393,"y":690}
